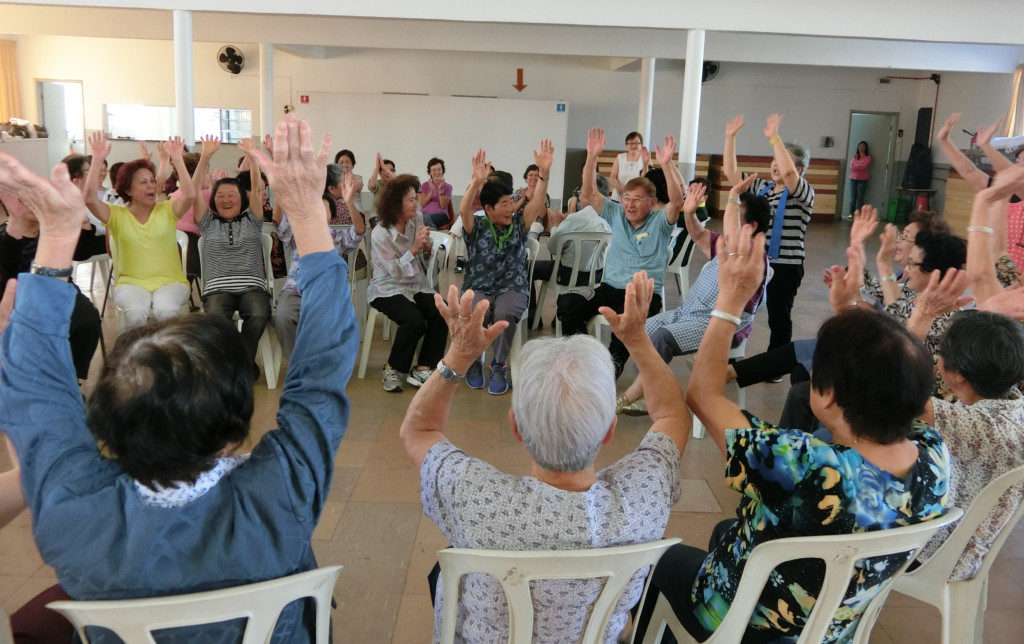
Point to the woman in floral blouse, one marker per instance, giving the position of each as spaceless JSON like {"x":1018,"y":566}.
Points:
{"x":871,"y":379}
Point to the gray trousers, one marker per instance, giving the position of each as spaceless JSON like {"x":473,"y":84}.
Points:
{"x":509,"y":306}
{"x":286,"y":320}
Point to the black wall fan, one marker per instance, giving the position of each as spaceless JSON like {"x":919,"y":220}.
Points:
{"x":231,"y":59}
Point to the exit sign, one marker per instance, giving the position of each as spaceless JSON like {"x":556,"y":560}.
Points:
{"x":304,"y":98}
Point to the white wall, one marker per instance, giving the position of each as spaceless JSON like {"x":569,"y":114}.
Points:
{"x":816,"y":101}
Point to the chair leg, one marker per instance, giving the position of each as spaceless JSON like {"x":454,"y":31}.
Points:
{"x":364,"y":352}
{"x":106,"y":292}
{"x":698,"y":427}
{"x":539,"y":321}
{"x":741,"y":397}
{"x":270,"y":365}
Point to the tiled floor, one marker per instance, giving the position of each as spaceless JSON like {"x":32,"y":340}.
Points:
{"x":373,"y":525}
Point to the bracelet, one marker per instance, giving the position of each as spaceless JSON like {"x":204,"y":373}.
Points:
{"x":775,"y":139}
{"x":980,"y":229}
{"x":544,"y":178}
{"x":735,"y":201}
{"x":728,"y":317}
{"x":891,"y":277}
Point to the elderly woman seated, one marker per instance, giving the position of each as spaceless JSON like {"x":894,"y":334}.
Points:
{"x":563,"y":410}
{"x":881,"y":470}
{"x":143,"y":492}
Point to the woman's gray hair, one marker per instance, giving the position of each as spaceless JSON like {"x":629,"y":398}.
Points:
{"x":334,"y":174}
{"x":604,"y":186}
{"x":801,"y":155}
{"x":564,"y":401}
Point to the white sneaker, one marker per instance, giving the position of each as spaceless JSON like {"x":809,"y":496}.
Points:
{"x":417,"y":377}
{"x":391,"y":380}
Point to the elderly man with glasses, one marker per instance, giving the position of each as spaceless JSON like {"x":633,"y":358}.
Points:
{"x":640,"y":242}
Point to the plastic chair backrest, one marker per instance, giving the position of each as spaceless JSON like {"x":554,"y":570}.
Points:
{"x":438,"y":241}
{"x":840,"y":553}
{"x":683,"y":258}
{"x":581,"y":260}
{"x":134,"y":620}
{"x":182,"y":240}
{"x":532,"y":250}
{"x":940,"y":565}
{"x":515,"y":570}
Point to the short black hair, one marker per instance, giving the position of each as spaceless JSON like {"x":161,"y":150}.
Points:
{"x":172,"y":395}
{"x":76,"y":165}
{"x":530,"y":168}
{"x":657,"y":177}
{"x":757,"y":210}
{"x":492,"y":192}
{"x":502,"y":177}
{"x":390,"y":163}
{"x":987,"y":349}
{"x":345,"y":153}
{"x":433,"y":161}
{"x":228,"y":181}
{"x":880,"y":374}
{"x":942,"y":251}
{"x":701,"y":180}
{"x":245,"y":180}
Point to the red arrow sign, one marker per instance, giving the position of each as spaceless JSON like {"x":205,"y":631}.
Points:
{"x":520,"y":85}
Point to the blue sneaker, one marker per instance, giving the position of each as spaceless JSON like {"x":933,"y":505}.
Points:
{"x":499,"y":379}
{"x":475,"y":375}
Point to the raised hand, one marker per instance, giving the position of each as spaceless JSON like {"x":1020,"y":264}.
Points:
{"x":743,"y":185}
{"x":211,"y":144}
{"x":595,"y":141}
{"x":175,"y":147}
{"x":947,"y":127}
{"x":469,"y":337}
{"x":645,"y":155}
{"x":865,"y":221}
{"x":268,"y":144}
{"x":544,"y":157}
{"x":664,"y":153}
{"x":296,"y":174}
{"x":421,"y":241}
{"x":348,"y":187}
{"x":846,"y":283}
{"x":943,"y":295}
{"x":57,"y":204}
{"x":985,"y":134}
{"x":740,"y":267}
{"x":217,"y":174}
{"x":771,"y":126}
{"x":1008,"y":302}
{"x":887,"y":251}
{"x":144,"y":152}
{"x":99,"y":146}
{"x":481,"y":169}
{"x":695,"y":194}
{"x":735,"y":125}
{"x":629,"y":326}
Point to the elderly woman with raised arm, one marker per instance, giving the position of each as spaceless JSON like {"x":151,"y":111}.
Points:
{"x":150,"y":278}
{"x":173,"y":404}
{"x":562,"y":411}
{"x":871,"y":379}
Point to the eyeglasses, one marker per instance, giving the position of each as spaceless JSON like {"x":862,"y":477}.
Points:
{"x":916,"y":265}
{"x":633,"y":144}
{"x":626,"y":200}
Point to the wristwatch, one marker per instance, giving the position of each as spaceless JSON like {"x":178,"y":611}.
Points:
{"x":448,"y":373}
{"x":59,"y":273}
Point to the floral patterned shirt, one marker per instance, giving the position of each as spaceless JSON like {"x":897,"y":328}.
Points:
{"x":496,"y":257}
{"x":985,"y":440}
{"x":794,"y":484}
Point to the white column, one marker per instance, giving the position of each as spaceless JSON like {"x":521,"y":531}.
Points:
{"x":184,"y":92}
{"x":643,"y":121}
{"x":266,"y":89}
{"x":691,"y":103}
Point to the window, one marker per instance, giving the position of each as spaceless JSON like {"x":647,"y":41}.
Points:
{"x":156,"y":123}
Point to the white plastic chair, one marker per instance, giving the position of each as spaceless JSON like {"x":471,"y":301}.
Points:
{"x":681,"y":266}
{"x":839,"y":552}
{"x":103,"y":262}
{"x":270,"y":349}
{"x":134,"y":620}
{"x":581,"y":260}
{"x":181,"y":238}
{"x":515,"y":570}
{"x":961,"y":603}
{"x":439,"y":241}
{"x":735,"y":353}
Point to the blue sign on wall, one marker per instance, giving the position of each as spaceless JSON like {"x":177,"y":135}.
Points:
{"x":560,"y":107}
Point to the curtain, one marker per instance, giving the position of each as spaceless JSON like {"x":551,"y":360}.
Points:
{"x":10,"y":93}
{"x":1015,"y":115}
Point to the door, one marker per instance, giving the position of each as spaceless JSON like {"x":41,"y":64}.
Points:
{"x":878,"y":130}
{"x":61,"y":110}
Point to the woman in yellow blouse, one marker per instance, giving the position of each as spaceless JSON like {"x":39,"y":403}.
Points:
{"x":150,"y":280}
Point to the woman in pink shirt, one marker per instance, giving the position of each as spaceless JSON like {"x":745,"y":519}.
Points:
{"x":435,"y":196}
{"x":859,"y":176}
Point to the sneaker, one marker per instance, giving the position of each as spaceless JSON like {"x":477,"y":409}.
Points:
{"x":417,"y":377}
{"x":475,"y":375}
{"x":499,"y":383}
{"x":391,"y":380}
{"x":776,"y":379}
{"x":460,"y":265}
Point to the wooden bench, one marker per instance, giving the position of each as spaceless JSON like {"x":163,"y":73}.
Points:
{"x":607,"y":158}
{"x":823,"y":175}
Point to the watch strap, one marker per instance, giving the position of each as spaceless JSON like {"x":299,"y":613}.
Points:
{"x":60,"y":273}
{"x":448,"y":373}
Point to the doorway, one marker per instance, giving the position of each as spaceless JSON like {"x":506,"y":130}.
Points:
{"x":62,"y":111}
{"x":879,"y":130}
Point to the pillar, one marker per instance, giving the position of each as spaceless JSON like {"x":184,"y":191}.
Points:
{"x":643,"y":121}
{"x":266,"y":89}
{"x":184,"y":91}
{"x":693,"y":74}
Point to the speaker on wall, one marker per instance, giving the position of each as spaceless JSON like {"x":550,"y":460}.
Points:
{"x":924,"y":126}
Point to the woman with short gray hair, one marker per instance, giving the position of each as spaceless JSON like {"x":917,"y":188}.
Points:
{"x":563,"y":410}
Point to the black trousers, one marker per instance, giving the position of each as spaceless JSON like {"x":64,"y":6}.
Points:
{"x":773,"y":363}
{"x":673,"y":577}
{"x":575,"y":309}
{"x":781,"y":293}
{"x":415,"y":320}
{"x":84,"y":334}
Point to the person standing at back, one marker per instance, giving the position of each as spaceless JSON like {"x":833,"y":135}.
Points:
{"x":859,"y":176}
{"x":792,"y":200}
{"x":630,"y":164}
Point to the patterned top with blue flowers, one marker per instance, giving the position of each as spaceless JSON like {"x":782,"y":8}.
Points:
{"x":794,"y":484}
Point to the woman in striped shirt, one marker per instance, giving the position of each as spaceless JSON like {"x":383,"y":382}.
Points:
{"x":234,"y":278}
